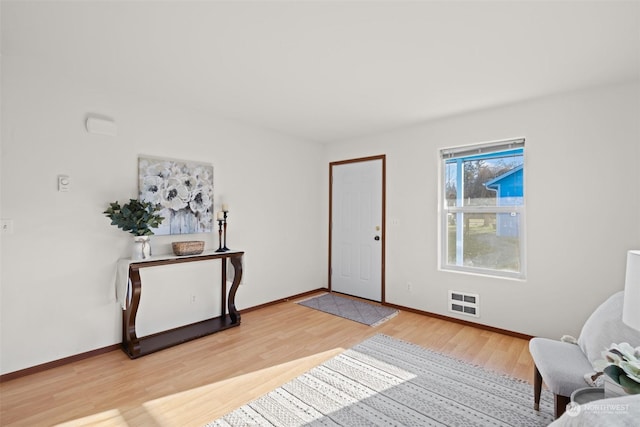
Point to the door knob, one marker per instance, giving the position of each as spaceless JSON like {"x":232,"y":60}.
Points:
{"x":376,"y":238}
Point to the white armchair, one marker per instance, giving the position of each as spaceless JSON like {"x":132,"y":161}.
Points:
{"x":563,"y":366}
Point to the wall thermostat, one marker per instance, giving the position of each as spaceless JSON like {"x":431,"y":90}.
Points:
{"x":63,"y":183}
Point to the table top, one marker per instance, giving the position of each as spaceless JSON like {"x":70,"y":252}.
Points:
{"x":164,"y":257}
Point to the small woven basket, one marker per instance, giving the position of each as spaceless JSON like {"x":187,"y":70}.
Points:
{"x":192,"y":247}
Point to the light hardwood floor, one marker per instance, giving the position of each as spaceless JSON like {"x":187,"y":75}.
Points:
{"x":199,"y":381}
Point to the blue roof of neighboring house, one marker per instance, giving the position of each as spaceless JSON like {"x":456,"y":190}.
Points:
{"x":494,"y":184}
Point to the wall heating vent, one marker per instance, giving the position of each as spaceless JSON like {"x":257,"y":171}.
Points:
{"x":463,"y":303}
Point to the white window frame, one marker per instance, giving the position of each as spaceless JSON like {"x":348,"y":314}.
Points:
{"x":468,"y":150}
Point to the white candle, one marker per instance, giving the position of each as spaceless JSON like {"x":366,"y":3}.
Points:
{"x":220,"y":216}
{"x":225,"y":207}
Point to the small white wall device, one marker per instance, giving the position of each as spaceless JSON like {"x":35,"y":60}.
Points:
{"x":101,"y":126}
{"x":64,"y":183}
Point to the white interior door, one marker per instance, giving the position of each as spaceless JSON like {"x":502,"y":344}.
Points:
{"x":356,"y":228}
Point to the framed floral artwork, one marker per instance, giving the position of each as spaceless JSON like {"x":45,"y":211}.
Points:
{"x":182,"y":190}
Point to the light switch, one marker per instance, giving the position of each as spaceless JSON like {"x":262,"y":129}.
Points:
{"x":63,"y":183}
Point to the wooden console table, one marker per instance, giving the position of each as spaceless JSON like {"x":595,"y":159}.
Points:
{"x":130,"y":300}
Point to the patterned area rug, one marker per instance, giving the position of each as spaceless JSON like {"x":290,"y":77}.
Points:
{"x":359,"y":311}
{"x":384,"y":381}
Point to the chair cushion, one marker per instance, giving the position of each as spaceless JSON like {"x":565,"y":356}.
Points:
{"x":605,"y":327}
{"x":562,"y":365}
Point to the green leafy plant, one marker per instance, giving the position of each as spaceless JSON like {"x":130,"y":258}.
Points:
{"x":624,"y":366}
{"x":135,"y":217}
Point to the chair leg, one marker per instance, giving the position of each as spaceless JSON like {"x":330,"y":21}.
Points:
{"x":537,"y":387}
{"x":560,"y":404}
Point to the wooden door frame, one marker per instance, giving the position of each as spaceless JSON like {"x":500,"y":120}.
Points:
{"x":382,"y":157}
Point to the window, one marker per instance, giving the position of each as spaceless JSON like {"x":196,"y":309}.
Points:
{"x":483,"y":208}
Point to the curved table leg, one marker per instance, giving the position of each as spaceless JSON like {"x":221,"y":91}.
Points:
{"x":130,"y":340}
{"x":236,"y":261}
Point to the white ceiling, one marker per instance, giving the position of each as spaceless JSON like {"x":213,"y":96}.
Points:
{"x":330,"y":70}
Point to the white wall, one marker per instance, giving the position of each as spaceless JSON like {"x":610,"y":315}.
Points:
{"x":582,"y":207}
{"x":582,"y":189}
{"x":58,"y":267}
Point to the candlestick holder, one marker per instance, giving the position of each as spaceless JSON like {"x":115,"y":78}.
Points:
{"x":224,"y":247}
{"x":220,"y":248}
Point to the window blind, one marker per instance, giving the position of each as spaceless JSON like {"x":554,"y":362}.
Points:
{"x":490,"y":147}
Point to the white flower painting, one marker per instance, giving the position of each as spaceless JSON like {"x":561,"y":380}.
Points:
{"x":183,"y":191}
